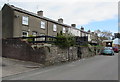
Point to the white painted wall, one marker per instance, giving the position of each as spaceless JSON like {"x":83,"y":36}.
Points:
{"x":74,"y":32}
{"x":89,"y":37}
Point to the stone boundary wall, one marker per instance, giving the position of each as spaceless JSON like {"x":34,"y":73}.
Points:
{"x":58,"y":55}
{"x":17,"y":49}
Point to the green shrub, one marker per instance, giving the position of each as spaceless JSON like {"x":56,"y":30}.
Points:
{"x":64,"y":41}
{"x":30,"y":40}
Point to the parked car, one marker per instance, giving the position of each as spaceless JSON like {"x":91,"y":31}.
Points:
{"x":107,"y":51}
{"x":109,"y":48}
{"x":115,"y":49}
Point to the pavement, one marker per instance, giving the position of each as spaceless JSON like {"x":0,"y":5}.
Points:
{"x":13,"y":66}
{"x":95,"y":68}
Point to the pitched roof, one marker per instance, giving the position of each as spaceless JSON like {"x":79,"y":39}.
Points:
{"x":45,"y":18}
{"x":34,"y":14}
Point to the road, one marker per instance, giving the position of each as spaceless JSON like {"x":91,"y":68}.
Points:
{"x":95,"y":68}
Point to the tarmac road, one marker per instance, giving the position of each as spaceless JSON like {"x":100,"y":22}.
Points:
{"x":95,"y":68}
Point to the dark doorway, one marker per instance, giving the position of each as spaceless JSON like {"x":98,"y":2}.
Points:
{"x":108,"y":44}
{"x":79,"y":52}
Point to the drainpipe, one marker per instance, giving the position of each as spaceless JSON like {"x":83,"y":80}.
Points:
{"x":47,"y":28}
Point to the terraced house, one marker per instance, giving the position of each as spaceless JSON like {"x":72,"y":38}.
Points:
{"x":17,"y":22}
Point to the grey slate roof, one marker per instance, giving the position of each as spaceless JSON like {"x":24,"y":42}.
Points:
{"x":33,"y":14}
{"x":45,"y":18}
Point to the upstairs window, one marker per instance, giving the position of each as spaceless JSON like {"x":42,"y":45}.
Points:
{"x":24,"y":34}
{"x":64,"y":30}
{"x":54,"y":27}
{"x":42,"y":24}
{"x":24,"y":20}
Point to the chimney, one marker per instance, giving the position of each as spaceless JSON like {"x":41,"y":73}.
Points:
{"x":93,"y":33}
{"x":60,"y":20}
{"x":12,"y":5}
{"x":82,"y":28}
{"x":96,"y":34}
{"x":73,"y":25}
{"x":89,"y":31}
{"x":40,"y":13}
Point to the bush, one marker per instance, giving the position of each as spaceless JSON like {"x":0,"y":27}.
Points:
{"x":30,"y":40}
{"x":64,"y":41}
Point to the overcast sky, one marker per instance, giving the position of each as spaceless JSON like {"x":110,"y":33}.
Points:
{"x":91,"y":14}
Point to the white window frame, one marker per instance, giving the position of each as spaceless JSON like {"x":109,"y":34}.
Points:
{"x":26,"y":33}
{"x":42,"y":39}
{"x":42,"y":24}
{"x":54,"y":27}
{"x":25,"y":20}
{"x":64,"y":30}
{"x":34,"y":33}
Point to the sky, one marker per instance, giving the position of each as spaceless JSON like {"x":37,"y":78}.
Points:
{"x":116,"y":41}
{"x":91,"y":14}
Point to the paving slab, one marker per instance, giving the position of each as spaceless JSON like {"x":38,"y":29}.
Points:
{"x":13,"y":66}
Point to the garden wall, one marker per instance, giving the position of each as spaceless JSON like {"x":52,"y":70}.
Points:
{"x":17,"y":49}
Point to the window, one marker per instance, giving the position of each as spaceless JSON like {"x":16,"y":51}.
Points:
{"x":42,"y":34}
{"x":25,"y":20}
{"x":86,"y":34}
{"x":34,"y":33}
{"x":42,"y":24}
{"x":64,"y":30}
{"x":24,"y":34}
{"x":54,"y":27}
{"x":42,"y":39}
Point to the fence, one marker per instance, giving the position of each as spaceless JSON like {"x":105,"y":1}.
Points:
{"x":81,"y":40}
{"x":51,"y":39}
{"x":38,"y":39}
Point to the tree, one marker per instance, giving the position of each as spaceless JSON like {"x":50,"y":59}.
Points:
{"x":104,"y":35}
{"x":117,"y":35}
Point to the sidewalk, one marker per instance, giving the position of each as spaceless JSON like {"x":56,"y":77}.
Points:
{"x":13,"y":66}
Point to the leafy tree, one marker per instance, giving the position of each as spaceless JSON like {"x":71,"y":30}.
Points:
{"x":117,"y":35}
{"x":104,"y":35}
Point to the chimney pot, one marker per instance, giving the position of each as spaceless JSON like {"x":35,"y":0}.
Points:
{"x":60,"y":20}
{"x":89,"y":31}
{"x":92,"y":32}
{"x":73,"y":25}
{"x":82,"y":28}
{"x":40,"y":13}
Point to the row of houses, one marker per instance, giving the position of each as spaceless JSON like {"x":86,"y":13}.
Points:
{"x":17,"y":22}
